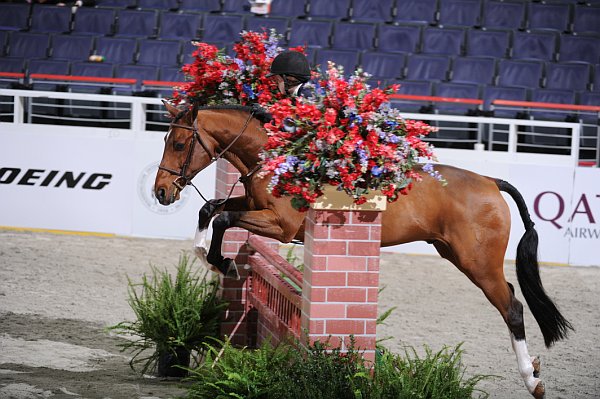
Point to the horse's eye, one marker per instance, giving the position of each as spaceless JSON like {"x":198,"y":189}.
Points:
{"x":179,"y":146}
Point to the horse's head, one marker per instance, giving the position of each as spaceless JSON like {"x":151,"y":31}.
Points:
{"x":186,"y":153}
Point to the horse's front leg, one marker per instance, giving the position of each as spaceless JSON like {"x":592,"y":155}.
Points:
{"x":264,"y":222}
{"x":205,"y":215}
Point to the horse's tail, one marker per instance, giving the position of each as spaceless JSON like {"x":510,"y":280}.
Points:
{"x":553,"y":325}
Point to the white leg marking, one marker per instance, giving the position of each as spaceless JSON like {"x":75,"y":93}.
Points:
{"x":524,"y":363}
{"x":200,"y":248}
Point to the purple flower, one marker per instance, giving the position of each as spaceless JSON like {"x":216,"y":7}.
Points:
{"x":376,"y":171}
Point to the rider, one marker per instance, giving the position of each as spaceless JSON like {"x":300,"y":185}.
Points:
{"x":290,"y":70}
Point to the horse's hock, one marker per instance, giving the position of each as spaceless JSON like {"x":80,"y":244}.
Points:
{"x":338,"y":299}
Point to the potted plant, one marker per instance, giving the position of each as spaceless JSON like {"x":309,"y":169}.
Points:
{"x":174,"y":318}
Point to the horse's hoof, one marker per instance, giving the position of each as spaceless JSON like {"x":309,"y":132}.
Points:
{"x":231,"y":269}
{"x":540,"y":391}
{"x":537,"y":366}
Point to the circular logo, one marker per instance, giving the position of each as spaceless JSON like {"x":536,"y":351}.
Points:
{"x":145,"y":191}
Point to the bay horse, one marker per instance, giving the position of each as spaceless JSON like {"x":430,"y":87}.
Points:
{"x":467,"y":221}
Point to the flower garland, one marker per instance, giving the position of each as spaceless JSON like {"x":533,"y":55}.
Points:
{"x":345,"y":135}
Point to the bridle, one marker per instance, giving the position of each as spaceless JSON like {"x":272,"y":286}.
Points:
{"x":183,"y":178}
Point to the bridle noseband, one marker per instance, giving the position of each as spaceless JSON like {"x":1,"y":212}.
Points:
{"x":183,"y":179}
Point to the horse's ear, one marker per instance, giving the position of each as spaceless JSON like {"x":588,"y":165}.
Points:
{"x":171,"y":108}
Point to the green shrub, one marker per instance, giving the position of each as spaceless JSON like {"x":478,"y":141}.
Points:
{"x":171,"y":314}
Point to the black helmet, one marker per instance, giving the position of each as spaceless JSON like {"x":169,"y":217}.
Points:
{"x":291,"y":63}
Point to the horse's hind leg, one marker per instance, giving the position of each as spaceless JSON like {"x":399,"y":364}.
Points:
{"x":488,"y":275}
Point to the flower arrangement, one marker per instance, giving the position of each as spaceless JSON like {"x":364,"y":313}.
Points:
{"x":345,"y":135}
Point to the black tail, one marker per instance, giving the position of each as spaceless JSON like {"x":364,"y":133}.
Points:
{"x":553,"y":325}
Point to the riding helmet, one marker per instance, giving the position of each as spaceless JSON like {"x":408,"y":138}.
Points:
{"x":291,"y":63}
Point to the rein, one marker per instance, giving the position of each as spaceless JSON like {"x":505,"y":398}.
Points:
{"x":183,"y":179}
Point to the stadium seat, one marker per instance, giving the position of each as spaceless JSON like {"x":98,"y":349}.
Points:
{"x":596,"y":82}
{"x":137,"y":23}
{"x":491,"y":93}
{"x":456,"y":90}
{"x":518,"y":73}
{"x":116,"y":3}
{"x":52,"y":67}
{"x":488,"y":43}
{"x":548,"y":16}
{"x":383,"y":65}
{"x":417,"y":11}
{"x":539,"y":45}
{"x":12,"y":64}
{"x":50,"y":19}
{"x":138,"y":72}
{"x":69,"y":47}
{"x":310,"y":33}
{"x":221,"y":28}
{"x":158,"y":4}
{"x":460,"y":13}
{"x":258,"y":23}
{"x":586,"y":19}
{"x":14,"y":16}
{"x":478,"y":70}
{"x":372,"y":11}
{"x":503,"y":14}
{"x":94,"y":21}
{"x":28,"y":45}
{"x":331,"y":9}
{"x":399,"y":38}
{"x":118,"y":50}
{"x":236,"y":6}
{"x":171,"y":74}
{"x":552,"y":96}
{"x":347,"y":59}
{"x":579,"y":48}
{"x":420,"y":88}
{"x":427,"y":67}
{"x":446,"y":41}
{"x":353,"y":36}
{"x":187,"y":48}
{"x":3,"y":41}
{"x":568,"y":76}
{"x":95,"y":69}
{"x":179,"y":26}
{"x":589,"y":98}
{"x":158,"y":52}
{"x":200,"y":6}
{"x":295,"y":8}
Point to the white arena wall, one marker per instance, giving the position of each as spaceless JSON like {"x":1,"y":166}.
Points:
{"x":99,"y":180}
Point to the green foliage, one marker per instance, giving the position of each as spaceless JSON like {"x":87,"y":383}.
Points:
{"x":171,"y":314}
{"x":286,"y":372}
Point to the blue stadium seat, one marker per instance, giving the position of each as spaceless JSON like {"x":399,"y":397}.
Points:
{"x":137,"y":23}
{"x":50,"y":19}
{"x":258,"y":23}
{"x":353,"y":36}
{"x":518,"y":73}
{"x":236,"y":6}
{"x":586,"y":19}
{"x":158,"y":4}
{"x":503,"y":14}
{"x":118,"y":50}
{"x":579,"y":48}
{"x":491,"y":93}
{"x":94,"y":21}
{"x":222,"y":28}
{"x":3,"y":41}
{"x":333,"y":9}
{"x":158,"y":52}
{"x":179,"y":26}
{"x":420,"y":88}
{"x":427,"y":67}
{"x":51,"y":67}
{"x":28,"y":45}
{"x":555,"y":97}
{"x":138,"y":72}
{"x":288,"y":8}
{"x":448,"y":41}
{"x":399,"y":38}
{"x":171,"y":74}
{"x":310,"y":33}
{"x":539,"y":45}
{"x":14,"y":16}
{"x":596,"y":83}
{"x":478,"y":70}
{"x":589,"y":98}
{"x":347,"y":59}
{"x":187,"y":48}
{"x":116,"y":3}
{"x":568,"y":76}
{"x":200,"y":6}
{"x":548,"y":16}
{"x":460,"y":13}
{"x":95,"y":69}
{"x":488,"y":43}
{"x":69,"y":47}
{"x":372,"y":10}
{"x":383,"y":65}
{"x":417,"y":11}
{"x":456,"y":90}
{"x":12,"y":64}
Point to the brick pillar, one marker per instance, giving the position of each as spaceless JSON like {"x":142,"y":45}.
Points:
{"x":234,"y":247}
{"x":341,"y":274}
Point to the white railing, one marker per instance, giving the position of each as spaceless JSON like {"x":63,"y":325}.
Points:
{"x":136,"y":113}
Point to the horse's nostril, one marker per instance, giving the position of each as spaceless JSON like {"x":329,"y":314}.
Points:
{"x":160,"y":194}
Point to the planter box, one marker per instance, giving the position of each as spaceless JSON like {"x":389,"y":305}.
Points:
{"x":334,"y":200}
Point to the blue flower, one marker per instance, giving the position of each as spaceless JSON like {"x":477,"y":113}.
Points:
{"x":240,"y":64}
{"x":376,"y":171}
{"x":248,"y":90}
